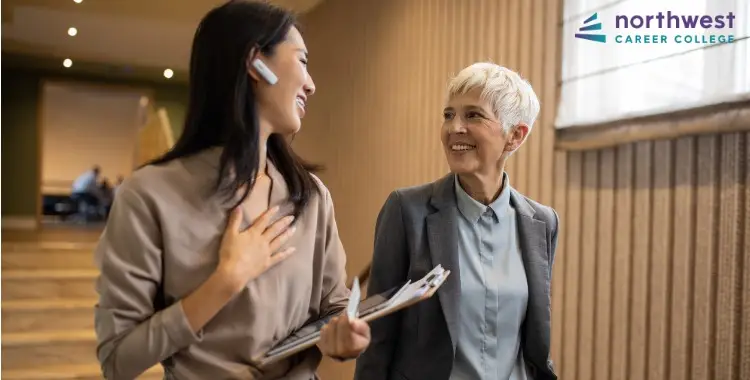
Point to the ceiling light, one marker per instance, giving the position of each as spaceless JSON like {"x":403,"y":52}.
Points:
{"x":72,"y":32}
{"x":168,"y":73}
{"x":67,"y":62}
{"x":78,"y":1}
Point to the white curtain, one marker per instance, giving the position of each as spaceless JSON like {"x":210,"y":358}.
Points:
{"x":610,"y":81}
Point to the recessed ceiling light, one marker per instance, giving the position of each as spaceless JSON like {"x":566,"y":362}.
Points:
{"x":168,"y":73}
{"x":78,"y":1}
{"x":67,"y":62}
{"x":72,"y":32}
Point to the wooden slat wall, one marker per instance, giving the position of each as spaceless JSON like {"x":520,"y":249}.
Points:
{"x":649,"y":279}
{"x":655,"y":278}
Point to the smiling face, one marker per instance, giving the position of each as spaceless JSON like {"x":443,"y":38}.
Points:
{"x":473,"y":137}
{"x":282,"y":105}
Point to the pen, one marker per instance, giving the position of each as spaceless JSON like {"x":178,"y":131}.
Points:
{"x":351,"y":309}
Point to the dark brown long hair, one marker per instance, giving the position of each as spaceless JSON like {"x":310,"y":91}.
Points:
{"x":222,"y":109}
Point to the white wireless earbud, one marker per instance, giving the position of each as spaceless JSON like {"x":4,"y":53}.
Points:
{"x":264,"y":71}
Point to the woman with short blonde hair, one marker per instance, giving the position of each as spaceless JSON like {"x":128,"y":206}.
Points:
{"x":491,"y":318}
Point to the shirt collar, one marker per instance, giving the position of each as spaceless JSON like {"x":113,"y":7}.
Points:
{"x":472,"y":209}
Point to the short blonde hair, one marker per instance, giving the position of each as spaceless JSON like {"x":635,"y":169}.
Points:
{"x":512,"y":98}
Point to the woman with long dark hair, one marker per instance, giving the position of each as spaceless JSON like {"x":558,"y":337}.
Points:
{"x":227,"y":244}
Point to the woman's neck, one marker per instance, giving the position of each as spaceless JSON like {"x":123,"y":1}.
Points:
{"x":262,"y":158}
{"x":484,"y":188}
{"x":263,"y":147}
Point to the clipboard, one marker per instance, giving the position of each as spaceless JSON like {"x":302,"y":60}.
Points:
{"x":371,"y":308}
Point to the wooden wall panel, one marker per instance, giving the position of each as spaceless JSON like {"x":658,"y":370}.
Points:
{"x":660,"y":262}
{"x":522,"y":162}
{"x":650,"y":278}
{"x":622,"y":263}
{"x":683,"y":260}
{"x":604,"y":270}
{"x":707,"y":209}
{"x":745,"y":308}
{"x":572,"y":232}
{"x":587,"y":273}
{"x":728,"y":265}
{"x":642,"y":214}
{"x":558,"y":290}
{"x":550,"y":59}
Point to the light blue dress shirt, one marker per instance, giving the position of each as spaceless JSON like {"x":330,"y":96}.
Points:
{"x":494,"y":291}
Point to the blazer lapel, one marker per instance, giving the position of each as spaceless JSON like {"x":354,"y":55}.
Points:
{"x":532,"y":234}
{"x":442,"y":236}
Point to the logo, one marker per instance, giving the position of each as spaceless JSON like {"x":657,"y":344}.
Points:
{"x":662,"y":28}
{"x":598,"y":37}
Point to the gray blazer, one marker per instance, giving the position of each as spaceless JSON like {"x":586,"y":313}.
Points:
{"x":416,"y":230}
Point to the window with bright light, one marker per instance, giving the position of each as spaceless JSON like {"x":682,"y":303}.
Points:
{"x":652,"y":61}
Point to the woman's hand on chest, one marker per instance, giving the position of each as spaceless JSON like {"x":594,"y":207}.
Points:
{"x":246,"y":255}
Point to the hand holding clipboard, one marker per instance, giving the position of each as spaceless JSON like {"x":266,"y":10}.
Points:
{"x":345,"y":336}
{"x":374,"y":307}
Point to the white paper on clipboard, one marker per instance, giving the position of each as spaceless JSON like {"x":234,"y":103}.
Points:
{"x":371,"y":308}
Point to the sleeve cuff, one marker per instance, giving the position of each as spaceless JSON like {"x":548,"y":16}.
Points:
{"x":177,"y":327}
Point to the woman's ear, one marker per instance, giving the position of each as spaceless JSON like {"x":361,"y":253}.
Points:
{"x":516,"y":137}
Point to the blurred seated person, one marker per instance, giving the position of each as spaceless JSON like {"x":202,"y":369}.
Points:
{"x":86,"y":191}
{"x":106,"y":196}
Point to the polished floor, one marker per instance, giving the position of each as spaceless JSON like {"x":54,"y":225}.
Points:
{"x":47,"y":304}
{"x":55,"y":233}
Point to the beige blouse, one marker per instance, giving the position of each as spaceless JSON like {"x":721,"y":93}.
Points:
{"x":161,"y":243}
